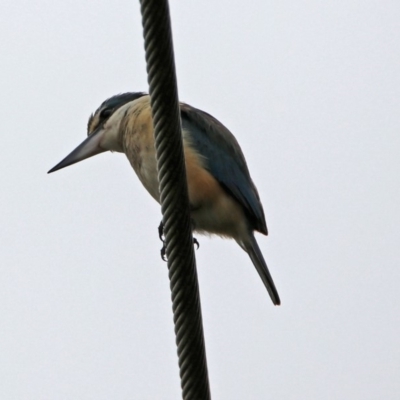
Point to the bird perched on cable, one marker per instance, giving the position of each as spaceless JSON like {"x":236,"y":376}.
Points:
{"x":223,"y":198}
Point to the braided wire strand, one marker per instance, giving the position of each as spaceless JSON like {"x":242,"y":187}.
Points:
{"x":174,"y":200}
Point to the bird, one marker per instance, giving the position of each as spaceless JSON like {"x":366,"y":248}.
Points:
{"x":223,"y":199}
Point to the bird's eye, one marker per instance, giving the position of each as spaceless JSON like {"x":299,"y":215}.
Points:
{"x":106,"y":113}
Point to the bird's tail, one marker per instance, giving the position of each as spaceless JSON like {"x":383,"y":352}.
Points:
{"x":251,"y":247}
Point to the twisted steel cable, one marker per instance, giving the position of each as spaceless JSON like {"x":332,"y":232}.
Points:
{"x":174,"y":200}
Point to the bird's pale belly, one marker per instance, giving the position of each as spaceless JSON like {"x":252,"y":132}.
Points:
{"x":223,"y":217}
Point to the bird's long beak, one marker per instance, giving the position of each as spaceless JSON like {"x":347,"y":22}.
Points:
{"x":88,"y":148}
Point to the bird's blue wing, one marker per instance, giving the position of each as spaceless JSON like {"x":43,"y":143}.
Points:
{"x":224,"y":160}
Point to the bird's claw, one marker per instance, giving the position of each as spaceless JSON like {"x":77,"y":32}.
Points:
{"x":163,"y":250}
{"x":161,"y":236}
{"x":163,"y":253}
{"x":161,"y":232}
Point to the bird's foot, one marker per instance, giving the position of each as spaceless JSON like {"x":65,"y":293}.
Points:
{"x":162,"y":238}
{"x":163,"y":250}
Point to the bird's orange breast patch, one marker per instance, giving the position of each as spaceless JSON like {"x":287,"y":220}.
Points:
{"x":202,"y":186}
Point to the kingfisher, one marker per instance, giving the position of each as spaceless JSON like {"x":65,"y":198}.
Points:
{"x":223,"y":198}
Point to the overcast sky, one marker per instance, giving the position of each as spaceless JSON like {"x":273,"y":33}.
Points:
{"x":311,"y":91}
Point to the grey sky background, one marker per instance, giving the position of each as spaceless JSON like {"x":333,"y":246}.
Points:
{"x":311,"y":91}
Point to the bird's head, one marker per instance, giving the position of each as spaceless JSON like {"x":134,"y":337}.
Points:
{"x":103,"y":130}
